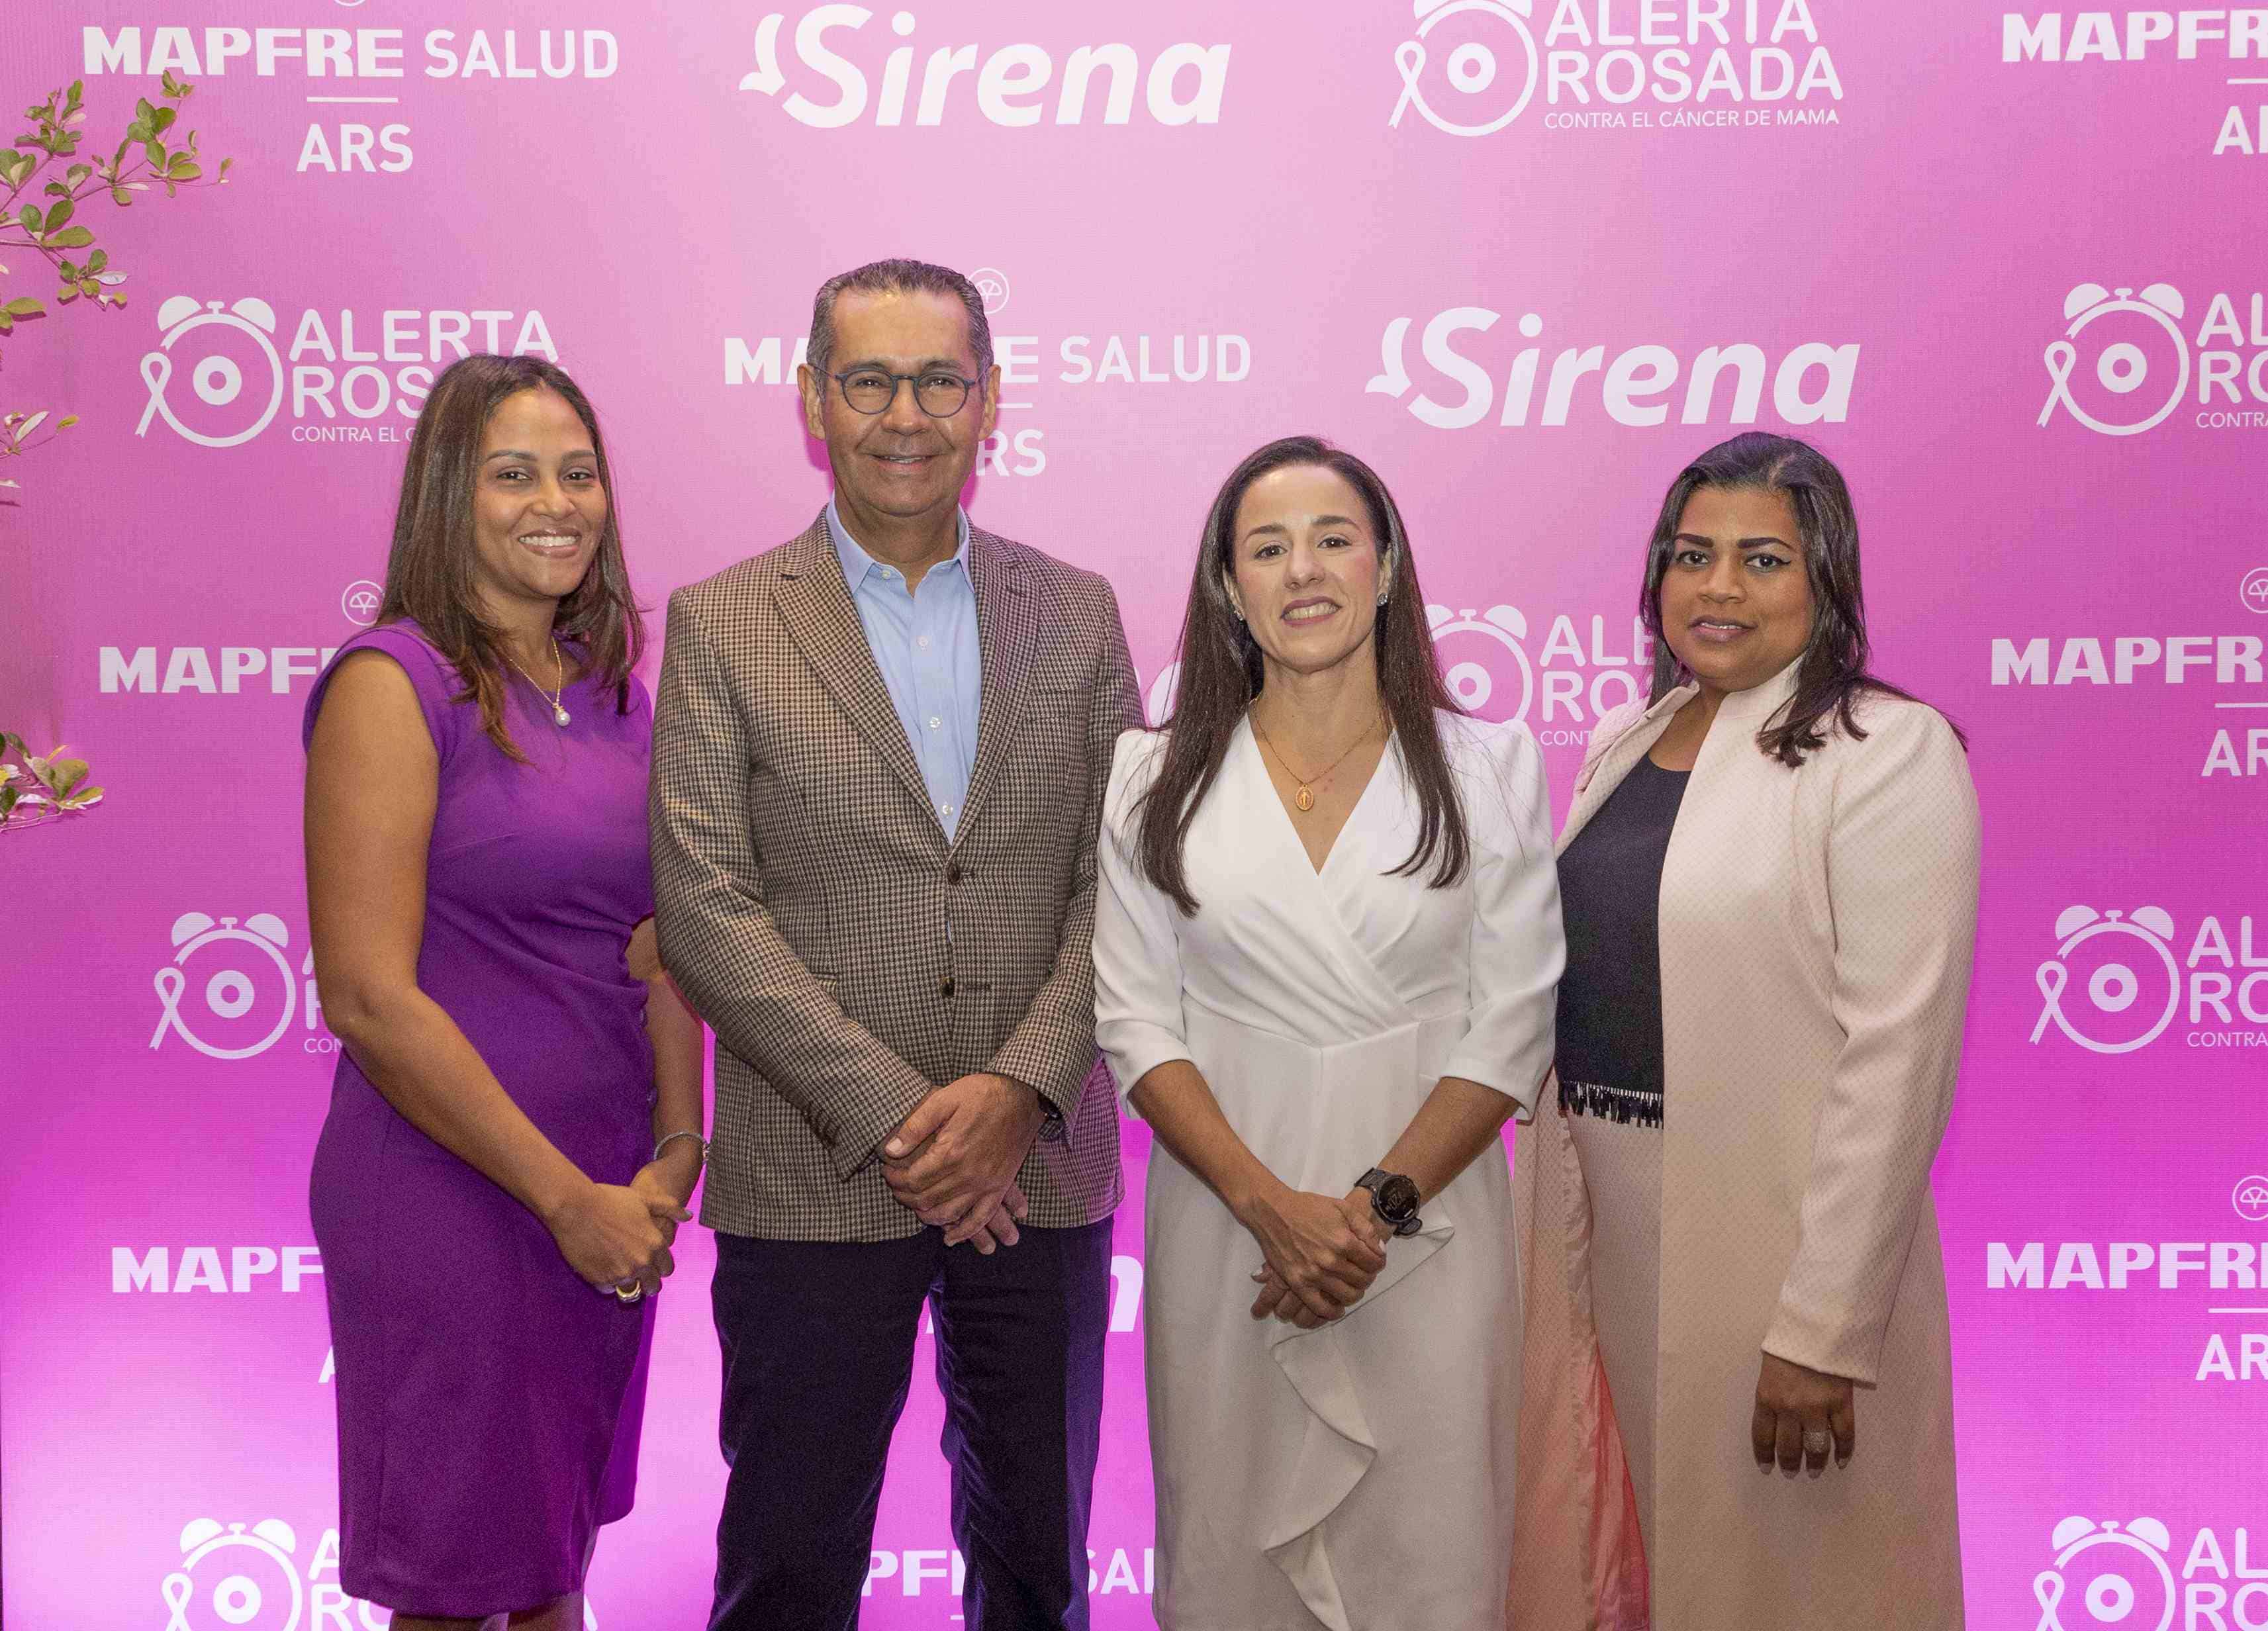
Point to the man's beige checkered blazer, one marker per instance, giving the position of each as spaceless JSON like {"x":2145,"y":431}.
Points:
{"x":810,"y":906}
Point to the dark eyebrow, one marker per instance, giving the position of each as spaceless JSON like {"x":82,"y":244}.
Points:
{"x":1321,"y":521}
{"x":1766,"y":542}
{"x":884,"y":365}
{"x":515,"y":452}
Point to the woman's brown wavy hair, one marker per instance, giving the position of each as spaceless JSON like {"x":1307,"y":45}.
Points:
{"x":429,"y":572}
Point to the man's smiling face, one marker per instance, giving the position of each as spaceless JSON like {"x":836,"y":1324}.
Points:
{"x":902,"y":462}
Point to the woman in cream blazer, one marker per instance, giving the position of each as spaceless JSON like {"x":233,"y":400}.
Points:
{"x":1731,"y":1257}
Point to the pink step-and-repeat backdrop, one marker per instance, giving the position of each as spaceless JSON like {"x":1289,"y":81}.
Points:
{"x":1524,"y":255}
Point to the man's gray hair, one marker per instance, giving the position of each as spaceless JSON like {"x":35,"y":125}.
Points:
{"x":904,"y":278}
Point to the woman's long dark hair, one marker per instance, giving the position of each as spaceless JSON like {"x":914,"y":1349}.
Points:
{"x":1831,"y":674}
{"x":1222,"y":673}
{"x":429,"y":573}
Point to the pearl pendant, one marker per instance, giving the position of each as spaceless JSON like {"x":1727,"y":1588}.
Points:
{"x":1304,"y":800}
{"x":561,"y":717}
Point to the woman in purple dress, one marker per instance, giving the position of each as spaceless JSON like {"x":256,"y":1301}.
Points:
{"x":515,"y":1129}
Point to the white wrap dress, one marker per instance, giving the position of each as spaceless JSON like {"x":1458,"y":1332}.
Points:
{"x":1360,"y":1474}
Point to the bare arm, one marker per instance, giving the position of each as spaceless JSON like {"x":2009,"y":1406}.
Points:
{"x":1326,"y":1250}
{"x":372,"y":779}
{"x":674,"y":1029}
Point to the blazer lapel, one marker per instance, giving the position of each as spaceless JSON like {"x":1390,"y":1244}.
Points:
{"x":1008,"y":638}
{"x":1607,"y":768}
{"x":815,"y":603}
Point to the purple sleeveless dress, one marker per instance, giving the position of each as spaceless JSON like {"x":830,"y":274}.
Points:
{"x":488,"y":1399}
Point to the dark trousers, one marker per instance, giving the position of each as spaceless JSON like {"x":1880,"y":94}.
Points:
{"x":819,"y":1347}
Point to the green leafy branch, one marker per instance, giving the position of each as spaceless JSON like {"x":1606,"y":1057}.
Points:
{"x":54,"y":229}
{"x":16,"y":435}
{"x":37,"y":788}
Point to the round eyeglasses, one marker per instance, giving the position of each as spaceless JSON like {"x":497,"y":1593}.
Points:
{"x":871,"y":390}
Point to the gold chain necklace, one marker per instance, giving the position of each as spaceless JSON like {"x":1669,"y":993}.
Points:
{"x":1305,"y":796}
{"x":560,"y":716}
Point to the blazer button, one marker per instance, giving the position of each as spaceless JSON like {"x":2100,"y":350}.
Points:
{"x":945,"y":988}
{"x":953,"y":872}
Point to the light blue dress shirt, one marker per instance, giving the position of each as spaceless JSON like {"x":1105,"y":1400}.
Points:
{"x":925,"y":643}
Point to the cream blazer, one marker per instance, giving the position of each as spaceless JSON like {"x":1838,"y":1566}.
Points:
{"x":1817,"y":925}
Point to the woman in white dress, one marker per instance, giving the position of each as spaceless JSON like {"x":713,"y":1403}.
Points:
{"x":1325,"y":948}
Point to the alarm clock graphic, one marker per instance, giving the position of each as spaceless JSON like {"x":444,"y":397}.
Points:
{"x":247,"y":988}
{"x":1477,"y":91}
{"x":235,"y":356}
{"x":2130,"y":337}
{"x":1482,"y":662}
{"x":228,"y":1577}
{"x":2116,"y":961}
{"x":2125,"y":1570}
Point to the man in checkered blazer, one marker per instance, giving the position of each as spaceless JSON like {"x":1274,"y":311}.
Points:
{"x":879,"y":757}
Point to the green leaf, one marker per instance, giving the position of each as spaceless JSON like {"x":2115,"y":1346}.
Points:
{"x":66,"y":775}
{"x":7,"y":324}
{"x":163,"y":121}
{"x":155,"y":151}
{"x":224,"y":163}
{"x":66,"y":421}
{"x":120,"y":197}
{"x":70,"y":238}
{"x":8,"y":796}
{"x":29,"y":215}
{"x":88,"y":287}
{"x":182,"y":170}
{"x":61,"y":211}
{"x":96,"y":261}
{"x":144,"y":110}
{"x":82,"y":798}
{"x":66,"y":294}
{"x":23,"y":305}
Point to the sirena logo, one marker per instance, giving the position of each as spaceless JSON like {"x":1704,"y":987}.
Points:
{"x":1184,"y":84}
{"x":2124,"y":365}
{"x":1630,"y":386}
{"x":2115,"y":985}
{"x":250,"y":993}
{"x":2124,"y":1569}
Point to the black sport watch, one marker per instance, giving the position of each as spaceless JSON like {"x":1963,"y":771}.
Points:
{"x":1393,"y":1198}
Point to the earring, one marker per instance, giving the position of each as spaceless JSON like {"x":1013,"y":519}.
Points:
{"x":1381,"y":597}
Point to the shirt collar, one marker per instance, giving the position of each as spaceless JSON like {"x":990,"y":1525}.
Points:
{"x":857,"y":562}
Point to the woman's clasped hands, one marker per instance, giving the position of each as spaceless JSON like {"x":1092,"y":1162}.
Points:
{"x":617,"y":1236}
{"x":1321,"y":1254}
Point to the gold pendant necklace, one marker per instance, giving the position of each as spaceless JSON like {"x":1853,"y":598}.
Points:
{"x":560,"y":716}
{"x":1305,"y":796}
